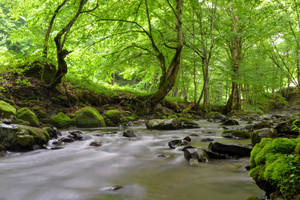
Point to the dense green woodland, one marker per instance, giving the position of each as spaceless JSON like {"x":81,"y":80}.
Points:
{"x":234,"y":53}
{"x":107,"y":63}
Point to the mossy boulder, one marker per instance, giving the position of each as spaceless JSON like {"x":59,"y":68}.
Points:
{"x":39,"y":112}
{"x":170,"y":124}
{"x":253,"y":198}
{"x":275,"y":167}
{"x":113,"y":117}
{"x":27,"y":115}
{"x":88,"y":117}
{"x":22,"y":138}
{"x":7,"y":112}
{"x":257,"y":135}
{"x":238,"y":134}
{"x":61,"y":120}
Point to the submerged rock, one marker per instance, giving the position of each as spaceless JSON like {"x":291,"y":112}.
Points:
{"x":214,"y":155}
{"x":230,"y":122}
{"x":236,"y":134}
{"x":7,"y":112}
{"x":96,"y":143}
{"x":129,"y":133}
{"x":88,"y":117}
{"x":229,"y":149}
{"x":170,"y":124}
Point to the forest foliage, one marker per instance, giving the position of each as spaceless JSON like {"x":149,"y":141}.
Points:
{"x":211,"y":52}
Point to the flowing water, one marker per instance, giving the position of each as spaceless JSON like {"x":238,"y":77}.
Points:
{"x":144,"y":166}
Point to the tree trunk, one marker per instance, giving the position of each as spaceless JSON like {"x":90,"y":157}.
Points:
{"x":168,"y":79}
{"x":206,"y":101}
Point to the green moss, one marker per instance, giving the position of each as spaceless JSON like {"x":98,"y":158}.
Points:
{"x":237,"y":133}
{"x":40,"y":113}
{"x":27,"y":115}
{"x":275,"y":163}
{"x":88,"y":117}
{"x":113,"y":117}
{"x":129,"y":118}
{"x":40,"y":136}
{"x":7,"y":111}
{"x":25,"y":141}
{"x":253,"y":198}
{"x":61,"y":120}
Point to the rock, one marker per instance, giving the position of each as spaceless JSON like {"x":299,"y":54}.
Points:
{"x":112,"y":188}
{"x":187,"y":123}
{"x":7,"y":112}
{"x":218,"y":117}
{"x":96,"y":143}
{"x":231,"y":150}
{"x":163,"y":124}
{"x":170,"y":124}
{"x":129,"y":133}
{"x":230,"y":122}
{"x":22,"y":138}
{"x":288,"y":128}
{"x":76,"y":135}
{"x":27,"y":115}
{"x":61,"y":120}
{"x":257,"y":135}
{"x":162,"y":156}
{"x":176,"y":143}
{"x":207,"y":140}
{"x":195,"y":154}
{"x":214,"y":155}
{"x":236,"y":134}
{"x":194,"y":135}
{"x":88,"y":117}
{"x":113,"y":117}
{"x":52,"y":131}
{"x":261,"y":125}
{"x":66,"y":139}
{"x":253,"y":198}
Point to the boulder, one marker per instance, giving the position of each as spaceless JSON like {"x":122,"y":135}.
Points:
{"x":207,"y":140}
{"x":230,"y":122}
{"x":218,"y":117}
{"x":22,"y":138}
{"x":61,"y":120}
{"x":228,"y":149}
{"x":27,"y":115}
{"x":193,"y":154}
{"x":288,"y":128}
{"x":113,"y":117}
{"x":7,"y":112}
{"x":170,"y":124}
{"x":257,"y":135}
{"x":129,"y":133}
{"x":236,"y":134}
{"x":214,"y":155}
{"x":52,"y":131}
{"x":88,"y":117}
{"x":261,"y":125}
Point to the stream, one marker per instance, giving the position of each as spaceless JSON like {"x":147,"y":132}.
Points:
{"x":145,"y":167}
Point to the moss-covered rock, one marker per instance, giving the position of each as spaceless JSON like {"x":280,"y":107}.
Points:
{"x":61,"y":120}
{"x":257,"y":135}
{"x":39,"y":112}
{"x":27,"y":115}
{"x":253,"y":198}
{"x":236,"y":134}
{"x":275,"y":166}
{"x":7,"y":112}
{"x":129,"y":118}
{"x":21,"y":138}
{"x":113,"y":117}
{"x":88,"y":117}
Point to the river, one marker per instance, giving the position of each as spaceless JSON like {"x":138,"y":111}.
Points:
{"x":144,"y":166}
